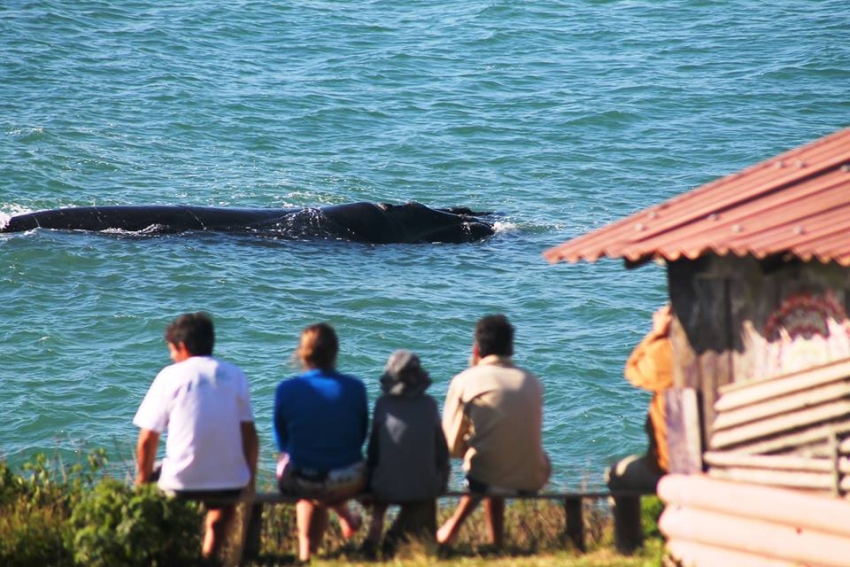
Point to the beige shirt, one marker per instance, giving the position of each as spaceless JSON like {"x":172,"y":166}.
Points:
{"x":493,"y":419}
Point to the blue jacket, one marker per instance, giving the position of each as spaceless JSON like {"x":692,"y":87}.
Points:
{"x":321,"y":419}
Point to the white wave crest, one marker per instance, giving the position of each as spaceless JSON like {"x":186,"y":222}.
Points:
{"x":504,"y":226}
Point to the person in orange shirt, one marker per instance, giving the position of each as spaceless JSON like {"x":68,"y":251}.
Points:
{"x":649,"y":367}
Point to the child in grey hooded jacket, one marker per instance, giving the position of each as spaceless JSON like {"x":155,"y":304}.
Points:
{"x":407,"y":455}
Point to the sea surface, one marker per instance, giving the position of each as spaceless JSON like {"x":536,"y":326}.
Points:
{"x":562,"y":116}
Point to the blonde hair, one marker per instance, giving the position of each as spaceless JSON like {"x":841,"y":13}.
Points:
{"x":318,"y":347}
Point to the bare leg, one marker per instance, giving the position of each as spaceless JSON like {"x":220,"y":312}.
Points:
{"x":216,"y":525}
{"x":349,"y":521}
{"x":494,"y":511}
{"x":449,"y":530}
{"x":312,"y":520}
{"x":376,"y":525}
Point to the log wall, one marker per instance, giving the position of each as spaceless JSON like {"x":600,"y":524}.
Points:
{"x":710,"y":522}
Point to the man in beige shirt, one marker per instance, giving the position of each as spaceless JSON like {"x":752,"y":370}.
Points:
{"x":493,"y":418}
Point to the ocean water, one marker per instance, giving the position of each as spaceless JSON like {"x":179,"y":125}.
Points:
{"x":562,"y":116}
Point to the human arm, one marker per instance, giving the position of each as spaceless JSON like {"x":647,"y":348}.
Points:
{"x":145,"y":455}
{"x":279,"y":427}
{"x":455,"y":422}
{"x":250,"y":448}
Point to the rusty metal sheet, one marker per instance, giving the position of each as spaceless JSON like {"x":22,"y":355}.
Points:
{"x":797,"y":203}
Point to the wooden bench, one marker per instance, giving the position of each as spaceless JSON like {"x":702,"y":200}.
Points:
{"x":628,"y":531}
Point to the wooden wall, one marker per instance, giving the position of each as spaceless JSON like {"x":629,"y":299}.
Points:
{"x":741,"y":319}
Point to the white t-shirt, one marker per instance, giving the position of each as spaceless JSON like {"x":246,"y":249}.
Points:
{"x":200,"y":402}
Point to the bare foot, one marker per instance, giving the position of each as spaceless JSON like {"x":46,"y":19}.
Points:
{"x":444,"y":535}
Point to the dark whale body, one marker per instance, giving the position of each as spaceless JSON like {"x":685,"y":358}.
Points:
{"x":359,"y":222}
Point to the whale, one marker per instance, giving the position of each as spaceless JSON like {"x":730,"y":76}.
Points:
{"x":365,"y":222}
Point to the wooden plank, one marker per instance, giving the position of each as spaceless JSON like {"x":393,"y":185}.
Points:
{"x":745,"y":393}
{"x":772,"y":477}
{"x":727,"y":419}
{"x":792,"y":441}
{"x":808,"y":417}
{"x":779,"y":462}
{"x":278,"y":498}
{"x":756,"y":537}
{"x":753,"y":297}
{"x":701,"y":339}
{"x":808,"y":511}
{"x":684,"y":438}
{"x":693,"y":553}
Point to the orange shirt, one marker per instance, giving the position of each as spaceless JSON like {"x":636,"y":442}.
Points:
{"x":649,"y":367}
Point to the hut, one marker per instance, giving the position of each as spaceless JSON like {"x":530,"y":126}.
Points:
{"x":758,"y":273}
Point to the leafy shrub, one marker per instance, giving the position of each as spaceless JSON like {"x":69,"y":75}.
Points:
{"x":651,"y":508}
{"x":32,"y":535}
{"x":31,"y":530}
{"x":9,"y":489}
{"x":116,"y":525}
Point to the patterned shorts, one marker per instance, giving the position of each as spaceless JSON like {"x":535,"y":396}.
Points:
{"x":327,"y":486}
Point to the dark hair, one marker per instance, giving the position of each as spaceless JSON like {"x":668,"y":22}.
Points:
{"x":195,"y":330}
{"x":319,"y":346}
{"x":494,"y":335}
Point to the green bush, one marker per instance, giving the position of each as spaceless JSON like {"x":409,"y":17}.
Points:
{"x":651,"y":509}
{"x":32,"y":535}
{"x":32,"y":529}
{"x":116,"y":525}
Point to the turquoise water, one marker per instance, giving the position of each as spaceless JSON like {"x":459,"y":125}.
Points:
{"x":562,"y":116}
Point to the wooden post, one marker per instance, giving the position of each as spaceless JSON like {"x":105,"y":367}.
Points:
{"x":683,"y":430}
{"x":252,"y":532}
{"x":575,"y":522}
{"x":628,"y":531}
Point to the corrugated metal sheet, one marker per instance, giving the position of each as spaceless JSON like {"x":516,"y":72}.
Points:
{"x":796,"y":204}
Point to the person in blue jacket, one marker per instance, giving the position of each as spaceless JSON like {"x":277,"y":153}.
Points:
{"x":321,"y":418}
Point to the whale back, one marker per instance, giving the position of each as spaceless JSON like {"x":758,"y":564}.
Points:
{"x":360,"y":222}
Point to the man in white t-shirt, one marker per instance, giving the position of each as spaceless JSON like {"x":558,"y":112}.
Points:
{"x":205,"y":406}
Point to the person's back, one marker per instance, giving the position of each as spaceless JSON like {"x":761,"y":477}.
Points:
{"x":320,"y":422}
{"x":205,"y":400}
{"x":407,"y":454}
{"x":204,"y":405}
{"x":324,"y":416}
{"x":410,"y":454}
{"x":493,"y":419}
{"x":504,"y":405}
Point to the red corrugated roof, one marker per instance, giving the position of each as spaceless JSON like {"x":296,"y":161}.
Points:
{"x":797,"y":204}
